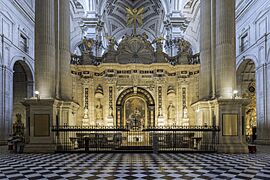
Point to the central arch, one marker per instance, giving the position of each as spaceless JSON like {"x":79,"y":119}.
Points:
{"x":138,"y":103}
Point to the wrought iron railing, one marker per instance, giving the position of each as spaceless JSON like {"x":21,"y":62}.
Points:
{"x":151,"y":139}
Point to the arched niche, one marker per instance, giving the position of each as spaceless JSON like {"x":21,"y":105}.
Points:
{"x":246,"y":86}
{"x":23,"y":87}
{"x":136,"y":94}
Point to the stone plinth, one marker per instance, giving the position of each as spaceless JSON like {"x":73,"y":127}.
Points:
{"x":227,"y":115}
{"x":85,"y":122}
{"x":109,"y":121}
{"x":185,"y":122}
{"x":171,"y":122}
{"x":204,"y":112}
{"x":161,"y":121}
{"x":68,"y":112}
{"x":231,"y":137}
{"x":99,"y":122}
{"x":42,"y":114}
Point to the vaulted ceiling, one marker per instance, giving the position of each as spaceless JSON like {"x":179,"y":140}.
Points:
{"x":115,"y":17}
{"x":167,"y":18}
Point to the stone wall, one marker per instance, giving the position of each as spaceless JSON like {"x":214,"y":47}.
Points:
{"x":16,"y":44}
{"x":253,"y":43}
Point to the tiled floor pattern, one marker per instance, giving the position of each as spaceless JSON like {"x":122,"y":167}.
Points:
{"x":134,"y":166}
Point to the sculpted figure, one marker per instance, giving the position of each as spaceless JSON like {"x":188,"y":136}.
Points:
{"x":18,"y":126}
{"x":184,"y":46}
{"x":85,"y":113}
{"x":171,"y":111}
{"x":160,"y":112}
{"x":111,"y":41}
{"x":87,"y":44}
{"x":185,"y":113}
{"x":110,"y":112}
{"x":99,"y":111}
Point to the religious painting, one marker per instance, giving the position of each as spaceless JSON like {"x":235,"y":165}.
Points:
{"x":135,"y":113}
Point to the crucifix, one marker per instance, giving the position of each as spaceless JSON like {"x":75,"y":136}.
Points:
{"x":134,"y":17}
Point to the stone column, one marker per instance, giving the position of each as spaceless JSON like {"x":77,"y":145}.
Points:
{"x":64,"y":50}
{"x":263,"y":97}
{"x":228,"y":111}
{"x":268,"y":99}
{"x":57,"y":63}
{"x":45,"y":49}
{"x":225,"y":48}
{"x":213,"y":48}
{"x":205,"y":46}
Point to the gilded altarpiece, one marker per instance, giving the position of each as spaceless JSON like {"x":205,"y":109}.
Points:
{"x":135,"y":98}
{"x":135,"y":85}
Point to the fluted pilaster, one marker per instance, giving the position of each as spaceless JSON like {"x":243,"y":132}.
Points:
{"x":45,"y":48}
{"x":6,"y":103}
{"x":64,"y":50}
{"x":225,"y":48}
{"x":213,"y":48}
{"x":263,"y":107}
{"x":205,"y":46}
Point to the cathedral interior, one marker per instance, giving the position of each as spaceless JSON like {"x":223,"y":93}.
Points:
{"x":135,"y":76}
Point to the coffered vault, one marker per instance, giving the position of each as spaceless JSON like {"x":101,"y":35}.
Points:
{"x":167,"y":18}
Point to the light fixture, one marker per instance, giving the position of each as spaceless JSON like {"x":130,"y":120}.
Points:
{"x":37,"y":94}
{"x":235,"y":92}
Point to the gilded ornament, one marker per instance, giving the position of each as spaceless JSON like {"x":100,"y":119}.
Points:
{"x":134,"y":17}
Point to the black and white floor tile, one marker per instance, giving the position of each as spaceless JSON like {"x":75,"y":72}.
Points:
{"x":134,"y":166}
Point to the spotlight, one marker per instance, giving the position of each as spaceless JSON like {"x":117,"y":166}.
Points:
{"x":37,"y":94}
{"x":235,"y":92}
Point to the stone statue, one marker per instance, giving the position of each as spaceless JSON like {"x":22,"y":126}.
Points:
{"x":250,"y":121}
{"x":18,"y":126}
{"x":160,"y":112}
{"x":111,"y":41}
{"x":184,"y":47}
{"x":85,"y":112}
{"x":134,"y":16}
{"x":110,"y":111}
{"x":185,"y":113}
{"x":87,"y":44}
{"x":159,"y":43}
{"x":158,"y":40}
{"x":99,"y":111}
{"x":145,"y":36}
{"x":171,"y":112}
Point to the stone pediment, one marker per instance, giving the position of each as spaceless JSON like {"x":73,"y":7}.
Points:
{"x":135,"y":49}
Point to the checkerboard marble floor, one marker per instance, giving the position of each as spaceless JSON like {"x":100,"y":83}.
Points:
{"x":135,"y":166}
